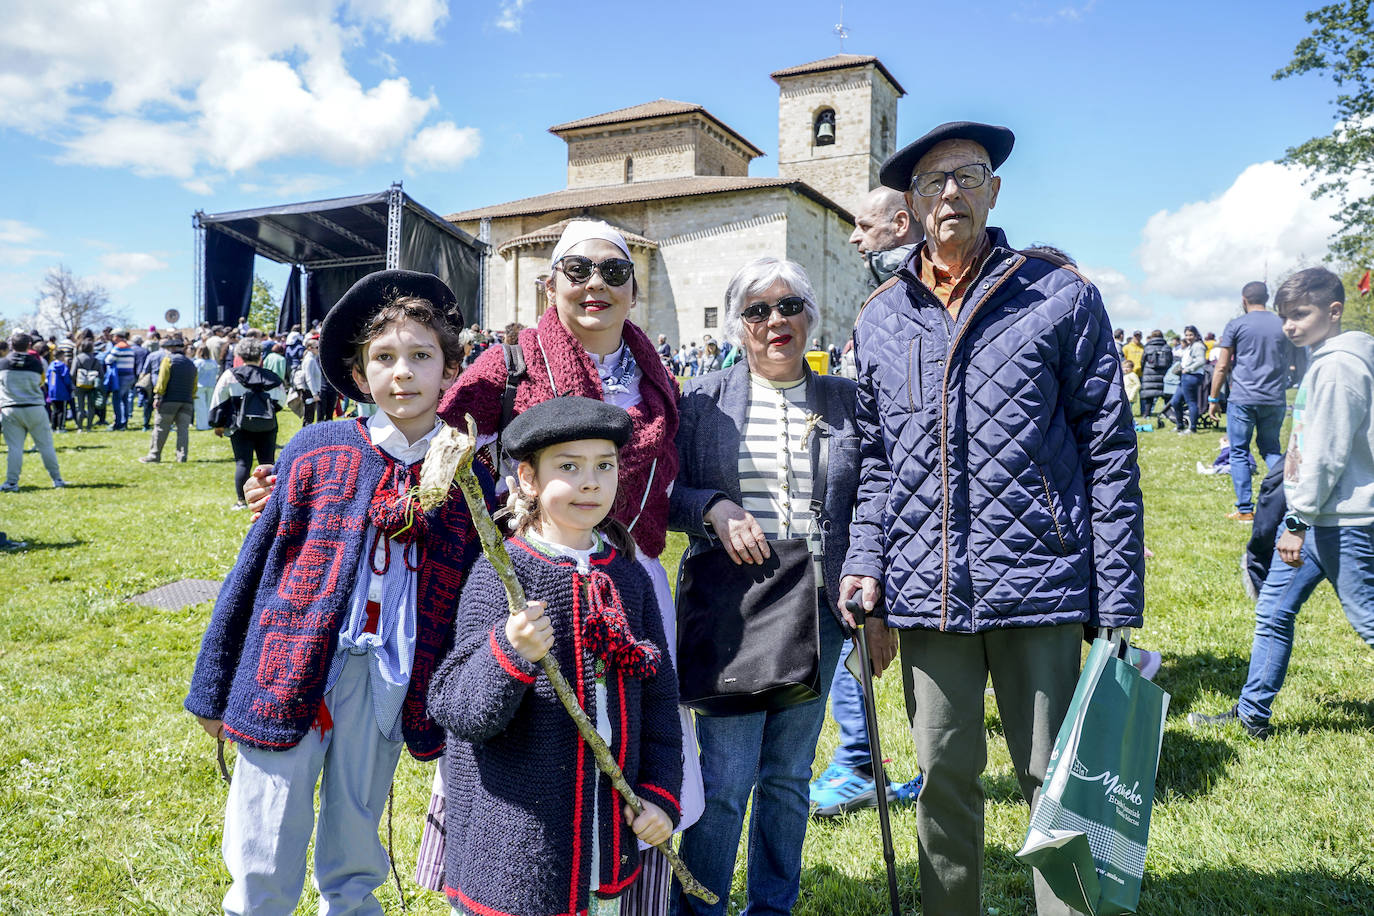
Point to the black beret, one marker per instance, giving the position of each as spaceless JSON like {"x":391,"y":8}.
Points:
{"x":896,"y":171}
{"x":356,"y":307}
{"x":564,"y":419}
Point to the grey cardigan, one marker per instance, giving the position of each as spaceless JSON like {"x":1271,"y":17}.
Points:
{"x":712,"y":412}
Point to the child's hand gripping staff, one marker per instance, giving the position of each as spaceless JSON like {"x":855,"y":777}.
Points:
{"x":450,"y":459}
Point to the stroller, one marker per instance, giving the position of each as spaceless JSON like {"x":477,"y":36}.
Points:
{"x":1203,"y":420}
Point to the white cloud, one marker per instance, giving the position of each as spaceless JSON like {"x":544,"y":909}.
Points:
{"x":13,"y":232}
{"x":288,"y":185}
{"x":122,"y":269}
{"x":442,"y":146}
{"x":1265,"y":224}
{"x":16,"y":240}
{"x":405,"y":19}
{"x":227,"y":86}
{"x":1117,"y":294}
{"x":511,"y":15}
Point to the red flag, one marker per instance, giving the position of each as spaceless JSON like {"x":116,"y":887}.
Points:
{"x":1363,"y":286}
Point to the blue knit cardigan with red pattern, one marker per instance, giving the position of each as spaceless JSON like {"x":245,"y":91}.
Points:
{"x":519,"y":778}
{"x":265,"y":657}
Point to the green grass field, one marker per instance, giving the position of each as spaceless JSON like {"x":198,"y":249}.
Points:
{"x":110,"y":801}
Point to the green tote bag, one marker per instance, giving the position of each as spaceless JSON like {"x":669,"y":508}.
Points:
{"x":1090,"y":824}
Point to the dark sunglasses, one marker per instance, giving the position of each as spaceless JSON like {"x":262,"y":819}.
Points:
{"x":792,"y":305}
{"x":578,"y":269}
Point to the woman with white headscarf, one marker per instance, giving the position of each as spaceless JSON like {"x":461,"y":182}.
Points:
{"x":586,"y":345}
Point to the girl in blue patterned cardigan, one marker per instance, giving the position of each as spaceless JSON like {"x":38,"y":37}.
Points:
{"x":319,"y":653}
{"x":533,"y":826}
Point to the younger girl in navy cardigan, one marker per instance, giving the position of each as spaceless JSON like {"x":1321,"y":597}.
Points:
{"x":533,"y":826}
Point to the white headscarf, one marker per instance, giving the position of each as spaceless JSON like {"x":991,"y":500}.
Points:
{"x":580,"y":230}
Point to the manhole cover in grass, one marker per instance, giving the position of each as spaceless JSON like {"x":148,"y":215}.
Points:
{"x":179,"y":594}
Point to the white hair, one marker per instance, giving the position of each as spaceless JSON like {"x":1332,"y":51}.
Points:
{"x":755,"y":277}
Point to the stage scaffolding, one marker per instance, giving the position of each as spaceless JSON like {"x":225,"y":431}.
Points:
{"x":334,"y":243}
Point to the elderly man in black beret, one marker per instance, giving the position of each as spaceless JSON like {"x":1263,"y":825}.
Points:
{"x":999,"y":508}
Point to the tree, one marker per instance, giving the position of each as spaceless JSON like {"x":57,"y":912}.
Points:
{"x":68,"y":303}
{"x":263,"y":308}
{"x":1342,"y":45}
{"x":1359,"y":310}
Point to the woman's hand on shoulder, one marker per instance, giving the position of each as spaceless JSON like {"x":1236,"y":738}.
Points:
{"x":653,"y":826}
{"x":258,"y":487}
{"x":530,"y":632}
{"x":739,"y":532}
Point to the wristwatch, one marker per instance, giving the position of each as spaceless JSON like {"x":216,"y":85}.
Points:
{"x":1294,"y":524}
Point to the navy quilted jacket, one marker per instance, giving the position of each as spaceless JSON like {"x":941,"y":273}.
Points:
{"x":999,"y":485}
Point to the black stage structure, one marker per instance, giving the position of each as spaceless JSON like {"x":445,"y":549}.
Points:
{"x":330,"y":244}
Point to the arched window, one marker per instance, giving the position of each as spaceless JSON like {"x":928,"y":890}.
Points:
{"x":887,"y":140}
{"x":629,"y":169}
{"x":825,"y":127}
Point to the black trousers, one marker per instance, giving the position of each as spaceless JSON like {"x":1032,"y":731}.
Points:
{"x":248,"y":446}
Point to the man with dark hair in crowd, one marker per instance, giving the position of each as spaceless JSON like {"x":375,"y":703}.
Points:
{"x":22,"y":412}
{"x":1328,"y":531}
{"x":1256,"y":356}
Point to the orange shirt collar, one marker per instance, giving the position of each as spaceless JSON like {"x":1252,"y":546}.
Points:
{"x":949,"y":289}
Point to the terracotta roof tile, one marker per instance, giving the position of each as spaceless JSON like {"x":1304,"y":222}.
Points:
{"x":587,"y":198}
{"x":659,"y":108}
{"x":839,"y":62}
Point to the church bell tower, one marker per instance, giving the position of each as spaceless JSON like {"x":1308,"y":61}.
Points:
{"x":837,"y":122}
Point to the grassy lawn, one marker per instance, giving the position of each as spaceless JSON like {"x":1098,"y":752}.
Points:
{"x":110,"y":801}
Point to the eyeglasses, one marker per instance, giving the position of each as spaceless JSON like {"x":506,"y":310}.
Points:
{"x":759,"y":311}
{"x":929,"y":184}
{"x":578,"y":269}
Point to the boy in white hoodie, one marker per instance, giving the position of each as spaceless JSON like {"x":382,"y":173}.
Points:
{"x":1328,"y":532}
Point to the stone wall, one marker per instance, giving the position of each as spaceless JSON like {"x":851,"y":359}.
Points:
{"x":845,"y":170}
{"x":818,"y":239}
{"x":703,"y":241}
{"x":663,"y":148}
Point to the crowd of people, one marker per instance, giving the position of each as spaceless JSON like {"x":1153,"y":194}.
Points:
{"x":173,"y":379}
{"x":970,"y":487}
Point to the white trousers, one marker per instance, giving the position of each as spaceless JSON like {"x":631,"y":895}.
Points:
{"x":271,"y":811}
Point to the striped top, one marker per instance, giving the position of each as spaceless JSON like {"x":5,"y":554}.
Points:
{"x":775,"y":462}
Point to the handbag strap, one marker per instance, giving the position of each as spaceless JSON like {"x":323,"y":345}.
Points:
{"x":820,"y":448}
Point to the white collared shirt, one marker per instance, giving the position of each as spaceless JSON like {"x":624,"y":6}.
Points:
{"x":382,"y":430}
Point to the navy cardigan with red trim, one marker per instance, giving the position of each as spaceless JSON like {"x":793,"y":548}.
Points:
{"x":520,"y":780}
{"x":265,"y":657}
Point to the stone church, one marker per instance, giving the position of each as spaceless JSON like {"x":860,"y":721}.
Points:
{"x":675,"y":180}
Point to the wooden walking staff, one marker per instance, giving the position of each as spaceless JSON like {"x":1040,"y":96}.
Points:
{"x":450,"y":459}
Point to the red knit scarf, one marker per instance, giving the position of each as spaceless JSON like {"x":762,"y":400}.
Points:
{"x":651,"y":449}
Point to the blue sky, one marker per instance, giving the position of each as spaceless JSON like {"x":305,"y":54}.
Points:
{"x":1146,"y":133}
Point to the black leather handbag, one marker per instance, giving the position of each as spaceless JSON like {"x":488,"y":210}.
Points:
{"x":748,"y":636}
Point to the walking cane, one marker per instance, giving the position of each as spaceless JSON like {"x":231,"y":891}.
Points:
{"x":876,"y":748}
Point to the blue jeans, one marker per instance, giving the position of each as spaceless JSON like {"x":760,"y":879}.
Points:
{"x":769,"y":754}
{"x":1186,"y":396}
{"x":1342,"y":556}
{"x":1264,"y":421}
{"x":847,"y":708}
{"x":123,"y":400}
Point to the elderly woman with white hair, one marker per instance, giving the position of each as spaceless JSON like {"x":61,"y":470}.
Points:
{"x":753,"y":443}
